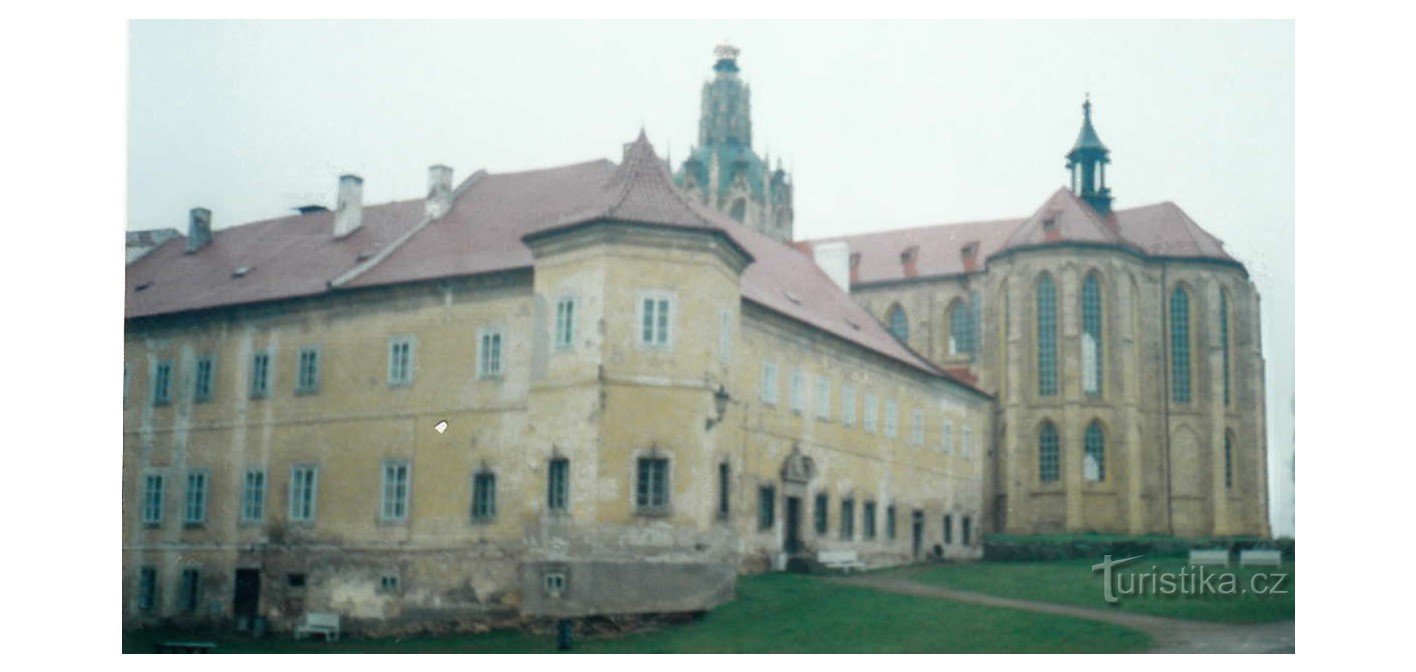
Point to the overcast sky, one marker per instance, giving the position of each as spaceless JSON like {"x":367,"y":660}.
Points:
{"x":885,"y":125}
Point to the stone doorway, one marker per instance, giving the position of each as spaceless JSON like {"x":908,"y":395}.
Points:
{"x":792,"y":544}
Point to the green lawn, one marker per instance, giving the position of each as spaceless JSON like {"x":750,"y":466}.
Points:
{"x":1073,"y":582}
{"x":777,"y":613}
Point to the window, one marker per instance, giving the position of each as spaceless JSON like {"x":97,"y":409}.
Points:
{"x":899,"y":323}
{"x":848,"y":519}
{"x":190,"y":594}
{"x":769,"y":383}
{"x":307,"y":376}
{"x":867,"y":513}
{"x":968,"y":441}
{"x":651,"y":493}
{"x":949,"y":528}
{"x":260,"y":375}
{"x":766,"y":507}
{"x":822,"y":512}
{"x":1048,"y":462}
{"x":489,"y":353}
{"x":1228,"y":460}
{"x":1094,"y":457}
{"x":967,"y":531}
{"x":152,"y":499}
{"x":848,"y":406}
{"x":890,"y":522}
{"x":558,"y":484}
{"x":1224,"y":340}
{"x":388,"y":583}
{"x":295,"y":580}
{"x":304,"y":480}
{"x":400,"y":360}
{"x":655,"y":319}
{"x":823,"y":398}
{"x":725,"y":335}
{"x":892,"y":420}
{"x":394,"y":503}
{"x":961,"y":329}
{"x":724,"y":489}
{"x":484,"y":496}
{"x":202,"y":383}
{"x":1046,"y":337}
{"x":798,"y":391}
{"x":553,"y":583}
{"x":1091,"y":335}
{"x":162,"y":383}
{"x":253,"y":496}
{"x":194,"y":513}
{"x":948,"y":437}
{"x":917,"y":427}
{"x":565,"y":324}
{"x":869,"y":412}
{"x":1180,"y":346}
{"x":126,"y":377}
{"x":147,"y":588}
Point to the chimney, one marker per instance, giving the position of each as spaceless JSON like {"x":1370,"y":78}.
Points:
{"x":349,"y":211}
{"x":834,"y":259}
{"x":439,"y":191}
{"x":198,"y":229}
{"x":969,"y":254}
{"x":909,"y":259}
{"x":855,"y":267}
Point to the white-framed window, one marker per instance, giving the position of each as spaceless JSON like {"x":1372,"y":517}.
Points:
{"x":656,"y":311}
{"x":307,"y":371}
{"x":162,"y":383}
{"x":558,"y":484}
{"x":394,"y":503}
{"x":489,"y":353}
{"x":917,"y":427}
{"x":153,"y":485}
{"x":304,"y":488}
{"x":892,"y":418}
{"x":203,"y":380}
{"x":968,"y":441}
{"x":848,"y":406}
{"x":769,"y":383}
{"x":260,"y":374}
{"x":194,"y":513}
{"x":484,"y":496}
{"x":948,"y":444}
{"x":823,"y":398}
{"x":725,"y":335}
{"x":147,"y":588}
{"x":798,"y":391}
{"x":400,"y":360}
{"x":870,"y":411}
{"x":565,"y":323}
{"x":253,"y":496}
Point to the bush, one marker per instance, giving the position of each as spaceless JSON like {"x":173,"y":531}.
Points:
{"x":1049,"y":547}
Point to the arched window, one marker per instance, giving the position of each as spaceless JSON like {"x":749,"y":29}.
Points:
{"x":1091,"y":335}
{"x":961,"y":329}
{"x":1224,"y":339}
{"x":1046,"y":337}
{"x":1228,"y":460}
{"x":1180,"y":346}
{"x":1094,"y":456}
{"x":1048,"y":458}
{"x":899,"y":323}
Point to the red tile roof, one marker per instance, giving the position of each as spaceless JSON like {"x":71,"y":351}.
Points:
{"x":483,"y":232}
{"x":1160,"y":230}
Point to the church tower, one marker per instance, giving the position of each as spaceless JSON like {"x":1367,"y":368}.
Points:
{"x":1087,"y":163}
{"x":722,"y":171}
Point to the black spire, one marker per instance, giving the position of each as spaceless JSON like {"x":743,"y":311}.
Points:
{"x":1087,"y":164}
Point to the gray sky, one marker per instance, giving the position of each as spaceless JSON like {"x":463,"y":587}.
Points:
{"x":885,"y":125}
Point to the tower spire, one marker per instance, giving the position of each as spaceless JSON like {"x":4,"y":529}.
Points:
{"x":1087,"y":164}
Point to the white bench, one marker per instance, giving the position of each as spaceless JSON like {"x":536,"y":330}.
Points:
{"x":317,"y":623}
{"x":1256,"y":557}
{"x":1209,"y":556}
{"x":842,"y":560}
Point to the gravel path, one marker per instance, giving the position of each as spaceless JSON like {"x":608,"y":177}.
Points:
{"x":1170,"y":635}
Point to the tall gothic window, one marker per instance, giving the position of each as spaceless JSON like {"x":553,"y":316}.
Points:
{"x":1046,"y":336}
{"x":899,"y":323}
{"x":1224,"y":339}
{"x":1094,"y":457}
{"x":1228,"y":460}
{"x":961,"y":329}
{"x":1091,"y":335}
{"x":1180,"y":346}
{"x":1048,"y":453}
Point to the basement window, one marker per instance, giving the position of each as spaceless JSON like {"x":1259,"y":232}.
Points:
{"x":388,"y":583}
{"x":295,"y":580}
{"x":554,"y":583}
